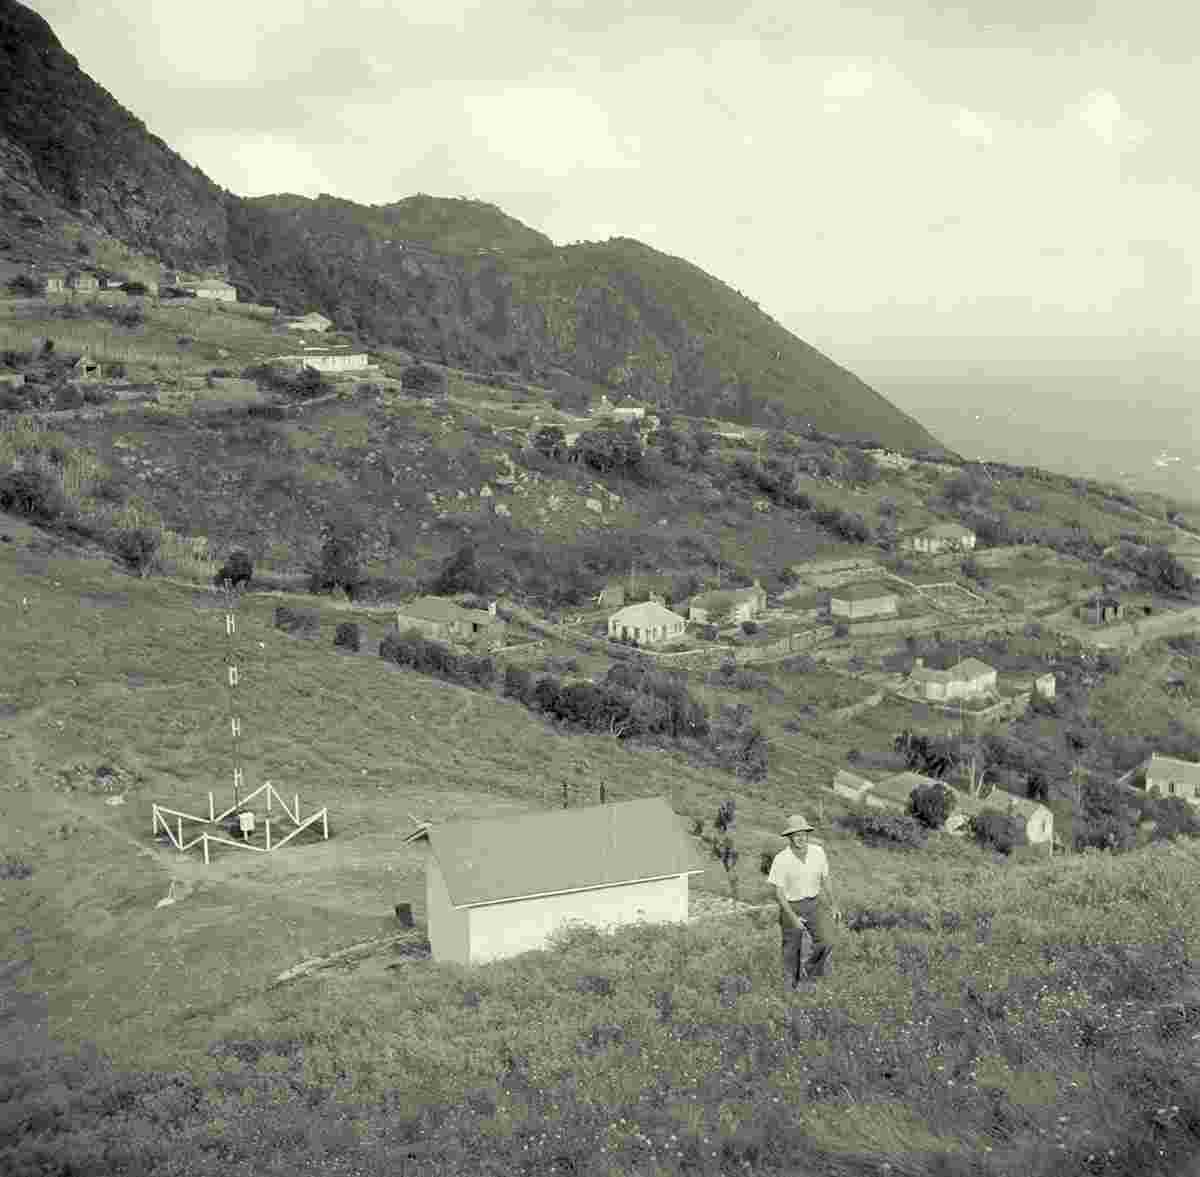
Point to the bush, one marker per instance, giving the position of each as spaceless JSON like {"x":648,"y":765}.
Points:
{"x":338,"y":565}
{"x":347,"y":636}
{"x":297,"y":621}
{"x":841,"y":630}
{"x":931,"y":805}
{"x":138,"y":548}
{"x":518,"y":683}
{"x":424,"y":380}
{"x":886,"y":829}
{"x":24,"y":286}
{"x":135,"y":288}
{"x":749,"y":628}
{"x":998,"y":831}
{"x":238,"y":569}
{"x":33,"y":494}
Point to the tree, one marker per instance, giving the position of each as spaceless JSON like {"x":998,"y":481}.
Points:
{"x":551,"y":442}
{"x":339,"y":562}
{"x":238,"y":569}
{"x":460,"y":574}
{"x":861,"y":468}
{"x":720,"y":842}
{"x":931,"y":805}
{"x":138,"y":548}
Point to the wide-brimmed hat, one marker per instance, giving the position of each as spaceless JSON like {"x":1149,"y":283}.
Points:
{"x":795,"y":823}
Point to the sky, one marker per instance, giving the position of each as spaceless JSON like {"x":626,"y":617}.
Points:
{"x":974,"y":206}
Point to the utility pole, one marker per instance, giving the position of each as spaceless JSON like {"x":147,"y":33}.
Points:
{"x":235,"y":721}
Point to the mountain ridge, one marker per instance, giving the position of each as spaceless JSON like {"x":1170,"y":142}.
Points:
{"x":450,"y":279}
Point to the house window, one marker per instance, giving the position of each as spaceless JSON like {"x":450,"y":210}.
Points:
{"x":1171,"y":788}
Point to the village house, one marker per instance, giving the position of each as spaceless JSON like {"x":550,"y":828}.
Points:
{"x":330,"y":361}
{"x":968,"y":679}
{"x":313,"y":321}
{"x":82,"y":283}
{"x":1101,"y":609}
{"x":84,"y":370}
{"x":212,"y":288}
{"x":55,"y":280}
{"x":497,"y":887}
{"x":895,"y":792}
{"x":1170,"y":777}
{"x":629,"y":413}
{"x":444,"y":620}
{"x":1045,"y":685}
{"x":941,"y":537}
{"x":863,"y":600}
{"x":649,"y":623}
{"x":728,"y":606}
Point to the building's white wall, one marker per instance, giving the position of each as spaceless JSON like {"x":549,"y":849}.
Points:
{"x":506,"y":929}
{"x":448,"y":925}
{"x":220,"y":293}
{"x":1040,"y":826}
{"x":1162,"y":780}
{"x":337,"y":363}
{"x":880,"y":607}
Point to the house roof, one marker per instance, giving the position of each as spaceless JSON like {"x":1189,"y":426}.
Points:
{"x":1173,"y":769}
{"x":861,"y":592}
{"x":964,"y":671}
{"x":504,"y":858}
{"x":441,"y":609}
{"x":646,"y":612}
{"x":207,"y":284}
{"x":947,"y":531}
{"x":899,"y":786}
{"x":727,"y":598}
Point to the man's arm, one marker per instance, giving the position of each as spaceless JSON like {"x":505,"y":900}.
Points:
{"x":789,"y":916}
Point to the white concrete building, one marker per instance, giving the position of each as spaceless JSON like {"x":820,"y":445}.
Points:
{"x":1170,"y":777}
{"x":213,"y":288}
{"x":863,"y":600}
{"x":648,"y":623}
{"x":498,"y":887}
{"x":968,"y":679}
{"x":313,"y":321}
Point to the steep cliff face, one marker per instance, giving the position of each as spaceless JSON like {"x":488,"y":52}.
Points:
{"x":93,"y":157}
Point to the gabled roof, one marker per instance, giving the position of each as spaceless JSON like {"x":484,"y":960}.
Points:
{"x":441,"y":609}
{"x":560,"y":850}
{"x":899,"y":786}
{"x":861,"y":592}
{"x":646,"y":612}
{"x":970,"y":668}
{"x":1173,"y":769}
{"x":946,"y":531}
{"x":727,"y":598}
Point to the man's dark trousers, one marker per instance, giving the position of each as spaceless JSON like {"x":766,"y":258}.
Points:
{"x":795,"y":969}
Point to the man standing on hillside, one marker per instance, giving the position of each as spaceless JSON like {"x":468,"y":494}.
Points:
{"x":800,"y":874}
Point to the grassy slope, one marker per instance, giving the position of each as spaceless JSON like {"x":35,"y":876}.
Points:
{"x":867,"y":1074}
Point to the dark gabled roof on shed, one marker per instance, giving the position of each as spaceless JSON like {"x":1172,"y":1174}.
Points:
{"x":559,"y":850}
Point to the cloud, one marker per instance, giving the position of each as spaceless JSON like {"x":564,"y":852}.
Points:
{"x":973,"y":127}
{"x":1101,"y":112}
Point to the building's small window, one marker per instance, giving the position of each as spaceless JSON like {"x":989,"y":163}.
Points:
{"x":1171,"y":788}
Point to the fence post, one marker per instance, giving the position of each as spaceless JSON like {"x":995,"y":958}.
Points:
{"x":181,"y":835}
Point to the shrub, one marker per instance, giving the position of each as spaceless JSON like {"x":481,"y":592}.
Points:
{"x":931,"y":805}
{"x":33,"y":494}
{"x":25,"y":286}
{"x":14,"y":868}
{"x":138,"y":548}
{"x":424,"y":380}
{"x":841,"y":630}
{"x":347,"y":636}
{"x":710,"y":633}
{"x":998,"y":831}
{"x":886,"y":829}
{"x":518,"y":683}
{"x":338,"y":565}
{"x":296,"y":621}
{"x":237,"y":569}
{"x":135,"y":288}
{"x":749,"y":628}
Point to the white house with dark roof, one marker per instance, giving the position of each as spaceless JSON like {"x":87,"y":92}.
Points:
{"x":863,"y":600}
{"x":941,"y":537}
{"x":501,"y":886}
{"x":444,"y":620}
{"x":1173,"y":778}
{"x":649,"y":623}
{"x":968,"y":679}
{"x":895,"y":791}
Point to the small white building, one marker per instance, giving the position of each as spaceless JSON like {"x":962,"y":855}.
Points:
{"x":968,"y":679}
{"x":863,"y":600}
{"x":1173,"y":778}
{"x":313,"y":321}
{"x":649,"y":623}
{"x":629,"y":413}
{"x":497,"y":887}
{"x":941,"y":537}
{"x":213,"y":288}
{"x":728,"y":605}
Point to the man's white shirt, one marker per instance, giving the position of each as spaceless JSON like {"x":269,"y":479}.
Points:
{"x":799,"y":880}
